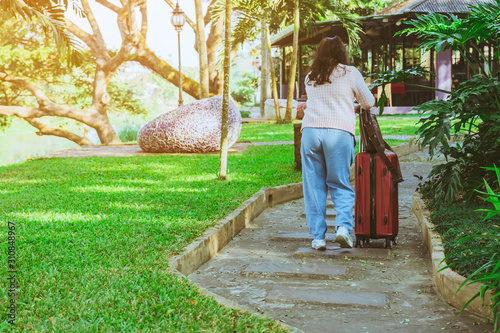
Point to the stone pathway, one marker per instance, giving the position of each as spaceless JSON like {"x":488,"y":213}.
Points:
{"x":271,"y":268}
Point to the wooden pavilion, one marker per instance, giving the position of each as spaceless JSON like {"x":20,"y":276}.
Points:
{"x":381,"y":50}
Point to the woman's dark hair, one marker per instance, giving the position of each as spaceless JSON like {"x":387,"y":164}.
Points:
{"x":331,"y":52}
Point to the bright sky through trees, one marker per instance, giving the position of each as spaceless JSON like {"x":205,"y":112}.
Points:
{"x":161,"y":37}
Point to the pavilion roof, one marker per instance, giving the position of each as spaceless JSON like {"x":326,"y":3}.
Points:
{"x":393,"y":13}
{"x":431,"y":6}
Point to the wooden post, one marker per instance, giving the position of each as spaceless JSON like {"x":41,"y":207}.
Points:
{"x":297,"y":137}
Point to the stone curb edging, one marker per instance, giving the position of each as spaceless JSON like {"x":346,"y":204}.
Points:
{"x":214,"y":239}
{"x":448,"y":281}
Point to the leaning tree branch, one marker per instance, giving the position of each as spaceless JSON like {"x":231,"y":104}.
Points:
{"x":93,"y":23}
{"x":144,"y":21}
{"x":45,"y":106}
{"x":85,"y":37}
{"x":21,"y":111}
{"x":109,"y":5}
{"x":131,"y":15}
{"x":127,"y":37}
{"x":150,"y":60}
{"x":208,"y":15}
{"x":44,"y":129}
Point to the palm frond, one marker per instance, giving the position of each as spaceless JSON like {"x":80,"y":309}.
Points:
{"x":441,"y":31}
{"x":245,"y":29}
{"x":486,"y":15}
{"x":352,"y":26}
{"x":51,"y":17}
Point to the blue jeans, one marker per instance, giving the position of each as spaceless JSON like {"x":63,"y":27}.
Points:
{"x":327,"y":155}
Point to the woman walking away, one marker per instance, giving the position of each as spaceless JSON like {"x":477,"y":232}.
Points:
{"x":328,"y":141}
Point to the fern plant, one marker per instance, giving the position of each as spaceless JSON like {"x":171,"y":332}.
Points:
{"x":487,"y":275}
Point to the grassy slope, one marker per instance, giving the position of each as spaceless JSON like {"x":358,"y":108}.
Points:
{"x":94,"y":236}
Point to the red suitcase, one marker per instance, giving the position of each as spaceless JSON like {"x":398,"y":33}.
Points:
{"x":376,"y":203}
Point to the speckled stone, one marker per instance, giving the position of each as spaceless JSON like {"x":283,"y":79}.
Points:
{"x":191,"y":128}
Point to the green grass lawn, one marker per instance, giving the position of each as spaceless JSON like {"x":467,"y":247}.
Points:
{"x":94,"y":236}
{"x":267,"y":132}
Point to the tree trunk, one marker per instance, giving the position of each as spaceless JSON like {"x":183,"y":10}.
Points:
{"x":225,"y":99}
{"x":213,"y":41}
{"x":264,"y":83}
{"x":273,"y":77}
{"x":46,"y":107}
{"x":202,"y":50}
{"x":293,"y":65}
{"x":105,"y":130}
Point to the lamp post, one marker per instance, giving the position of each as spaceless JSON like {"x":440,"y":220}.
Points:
{"x":255,"y":64}
{"x":178,"y":19}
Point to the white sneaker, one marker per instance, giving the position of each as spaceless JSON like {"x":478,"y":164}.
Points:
{"x":319,"y":244}
{"x":343,"y":238}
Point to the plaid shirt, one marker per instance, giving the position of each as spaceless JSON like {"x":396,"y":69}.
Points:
{"x":330,"y":105}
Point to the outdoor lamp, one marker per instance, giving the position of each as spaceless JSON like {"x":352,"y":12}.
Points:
{"x":178,"y":19}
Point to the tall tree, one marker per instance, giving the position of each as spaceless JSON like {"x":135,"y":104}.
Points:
{"x":265,"y":65}
{"x":202,"y":50}
{"x":274,"y":83}
{"x":106,"y":65}
{"x":224,"y":144}
{"x":293,"y":63}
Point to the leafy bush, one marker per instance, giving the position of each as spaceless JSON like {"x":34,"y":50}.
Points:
{"x":473,"y":108}
{"x":245,"y":114}
{"x":129,"y":132}
{"x":393,"y":76}
{"x":485,"y":249}
{"x":4,"y":122}
{"x":244,"y":91}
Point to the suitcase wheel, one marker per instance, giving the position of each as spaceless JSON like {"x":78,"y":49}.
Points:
{"x":359,"y":241}
{"x":388,"y":243}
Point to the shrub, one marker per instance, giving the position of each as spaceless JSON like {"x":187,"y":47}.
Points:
{"x":473,"y":108}
{"x":129,"y":132}
{"x":245,"y":114}
{"x":488,"y":275}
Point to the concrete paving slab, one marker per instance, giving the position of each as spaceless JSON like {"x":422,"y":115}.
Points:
{"x":326,"y":297}
{"x":338,"y":252}
{"x":305,"y":236}
{"x":330,"y":213}
{"x":316,"y":271}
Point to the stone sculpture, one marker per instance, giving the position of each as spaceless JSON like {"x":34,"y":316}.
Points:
{"x":191,"y":128}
